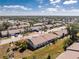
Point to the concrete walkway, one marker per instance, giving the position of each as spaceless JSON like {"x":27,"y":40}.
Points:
{"x":72,"y":52}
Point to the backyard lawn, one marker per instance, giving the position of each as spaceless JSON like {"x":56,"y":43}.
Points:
{"x":53,"y":50}
{"x":42,"y":53}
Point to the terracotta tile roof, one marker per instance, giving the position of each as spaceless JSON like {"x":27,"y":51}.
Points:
{"x":46,"y":37}
{"x":60,"y":32}
{"x":43,"y":38}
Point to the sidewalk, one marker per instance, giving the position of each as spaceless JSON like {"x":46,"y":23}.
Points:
{"x":72,"y":52}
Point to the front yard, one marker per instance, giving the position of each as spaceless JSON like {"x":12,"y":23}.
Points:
{"x":42,"y":53}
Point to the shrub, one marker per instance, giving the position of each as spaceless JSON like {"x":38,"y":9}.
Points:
{"x":23,"y":47}
{"x":24,"y":58}
{"x":49,"y":57}
{"x":67,"y":43}
{"x":18,"y":43}
{"x":5,"y":57}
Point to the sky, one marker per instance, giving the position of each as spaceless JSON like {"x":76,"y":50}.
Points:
{"x":40,"y":7}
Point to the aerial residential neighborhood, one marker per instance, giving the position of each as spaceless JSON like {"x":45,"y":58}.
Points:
{"x":39,"y":29}
{"x":30,"y":39}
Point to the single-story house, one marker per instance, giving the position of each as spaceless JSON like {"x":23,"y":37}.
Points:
{"x":38,"y":41}
{"x":58,"y":25}
{"x":12,"y":27}
{"x":61,"y":32}
{"x":22,"y":26}
{"x":17,"y":27}
{"x":36,"y":28}
{"x":11,"y":32}
{"x":38,"y":24}
{"x":49,"y":26}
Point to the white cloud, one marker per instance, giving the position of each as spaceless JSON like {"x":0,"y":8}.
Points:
{"x":70,"y":2}
{"x":74,"y":10}
{"x":54,"y":1}
{"x":57,"y":6}
{"x":16,"y":6}
{"x":62,"y":12}
{"x":51,"y":9}
{"x":58,"y":10}
{"x":39,"y":6}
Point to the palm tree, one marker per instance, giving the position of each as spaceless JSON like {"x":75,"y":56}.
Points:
{"x":6,"y":25}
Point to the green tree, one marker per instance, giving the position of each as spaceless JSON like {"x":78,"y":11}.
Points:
{"x":31,"y":23}
{"x":49,"y":57}
{"x":24,"y":58}
{"x":5,"y":57}
{"x":34,"y":57}
{"x":1,"y":27}
{"x":72,"y":31}
{"x":0,"y":34}
{"x":6,"y":25}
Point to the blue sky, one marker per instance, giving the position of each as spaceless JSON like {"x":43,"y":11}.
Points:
{"x":39,"y":7}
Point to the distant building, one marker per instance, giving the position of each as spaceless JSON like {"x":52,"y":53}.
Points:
{"x":36,"y":28}
{"x":38,"y":24}
{"x":12,"y":32}
{"x":49,"y":26}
